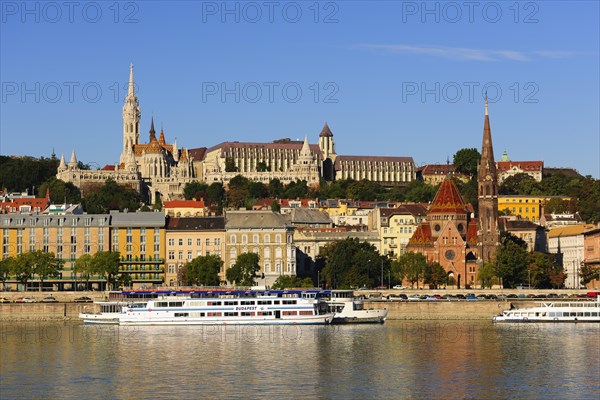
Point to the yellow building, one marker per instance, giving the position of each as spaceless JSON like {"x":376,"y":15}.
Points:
{"x":68,"y":236}
{"x":188,"y":238}
{"x":529,"y":208}
{"x":140,"y":239}
{"x":397,"y":225}
{"x":266,"y":233}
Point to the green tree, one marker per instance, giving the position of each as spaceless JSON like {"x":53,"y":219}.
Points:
{"x":545,"y":273}
{"x":352,"y":263}
{"x":195,"y":190}
{"x":486,"y":276}
{"x":204,"y":270}
{"x":511,"y":264}
{"x":466,"y":161}
{"x":420,"y":192}
{"x":291,"y":282}
{"x":588,"y":273}
{"x":413,"y":265}
{"x":244,"y":271}
{"x":45,"y":265}
{"x":111,"y":196}
{"x":230,"y":165}
{"x":84,"y":268}
{"x":275,"y":206}
{"x":60,"y":191}
{"x":6,"y":269}
{"x":106,"y":263}
{"x":435,"y":275}
{"x":158,"y":205}
{"x":519,"y":184}
{"x":19,"y":174}
{"x":23,"y":268}
{"x":297,"y":189}
{"x":275,"y":188}
{"x":261,"y":166}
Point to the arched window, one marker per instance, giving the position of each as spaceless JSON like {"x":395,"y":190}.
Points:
{"x":278,"y":252}
{"x":255,"y":238}
{"x":232,"y":239}
{"x":267,"y":252}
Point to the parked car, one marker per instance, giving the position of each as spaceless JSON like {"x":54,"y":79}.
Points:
{"x":25,"y":300}
{"x":403,"y":296}
{"x":49,"y":299}
{"x":511,"y":296}
{"x":4,"y":300}
{"x":471,"y":297}
{"x":399,"y":287}
{"x":83,"y":299}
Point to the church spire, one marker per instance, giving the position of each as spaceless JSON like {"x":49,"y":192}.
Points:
{"x":488,"y":234}
{"x":152,"y":131}
{"x":131,"y":89}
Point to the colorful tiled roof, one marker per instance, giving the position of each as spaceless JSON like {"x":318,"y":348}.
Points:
{"x":472,"y":232}
{"x":422,"y":235}
{"x":527,"y":166}
{"x":184,"y":204}
{"x":448,"y":199}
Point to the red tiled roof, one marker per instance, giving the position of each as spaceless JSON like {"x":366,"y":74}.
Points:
{"x":184,"y":204}
{"x":523,"y":165}
{"x":108,"y":168}
{"x":437,"y":169}
{"x":448,"y":199}
{"x":198,"y":153}
{"x":422,"y":235}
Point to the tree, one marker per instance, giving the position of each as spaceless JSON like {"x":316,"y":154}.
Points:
{"x":45,"y":265}
{"x":519,"y":184}
{"x":466,"y":161}
{"x":158,"y":205}
{"x":275,"y":188}
{"x":435,"y":275}
{"x":84,"y":267}
{"x":243,"y":272}
{"x":261,"y":166}
{"x":545,"y":273}
{"x":23,"y":268}
{"x":413,"y":265}
{"x":194,"y":190}
{"x":290,"y":282}
{"x":511,"y":263}
{"x":486,"y":276}
{"x":230,"y":165}
{"x":111,"y":196}
{"x":275,"y":206}
{"x":6,"y":269}
{"x":351,"y":263}
{"x":420,"y":192}
{"x":204,"y":270}
{"x":589,"y":272}
{"x":19,"y":174}
{"x":106,"y":263}
{"x":60,"y":191}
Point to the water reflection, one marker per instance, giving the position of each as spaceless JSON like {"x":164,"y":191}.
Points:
{"x":400,"y":359}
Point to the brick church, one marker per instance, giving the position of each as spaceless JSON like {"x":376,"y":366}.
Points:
{"x":451,"y":235}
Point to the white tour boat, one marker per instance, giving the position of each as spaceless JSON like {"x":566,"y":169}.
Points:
{"x":217,"y":308}
{"x":350,"y":309}
{"x":555,"y":311}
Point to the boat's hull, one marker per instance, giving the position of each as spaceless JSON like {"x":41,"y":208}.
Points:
{"x":124,"y":319}
{"x":361,"y":317}
{"x":501,"y":318}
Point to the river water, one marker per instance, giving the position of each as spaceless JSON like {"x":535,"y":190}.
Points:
{"x":397,"y":360}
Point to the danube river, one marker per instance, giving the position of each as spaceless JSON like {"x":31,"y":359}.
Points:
{"x":400,"y":359}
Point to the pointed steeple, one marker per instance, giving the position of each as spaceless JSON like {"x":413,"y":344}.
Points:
{"x":175,"y":149}
{"x":326,"y":132}
{"x":305,"y":148}
{"x":131,"y":89}
{"x":161,"y":139}
{"x":488,"y":234}
{"x":73,"y":161}
{"x":152,"y":131}
{"x":62,"y":164}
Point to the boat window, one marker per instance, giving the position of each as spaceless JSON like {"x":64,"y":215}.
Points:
{"x":289,"y":302}
{"x":176,"y":304}
{"x":247,"y":303}
{"x":183,"y":314}
{"x":197,"y":314}
{"x":587,"y":314}
{"x":231,"y":314}
{"x":230,"y":303}
{"x":264,"y":313}
{"x":304,"y":312}
{"x":213,"y":314}
{"x":275,"y":301}
{"x":213,"y":303}
{"x":289,"y":312}
{"x":246,"y":314}
{"x":263,"y":302}
{"x":162,"y":304}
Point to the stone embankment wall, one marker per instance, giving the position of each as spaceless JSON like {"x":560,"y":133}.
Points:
{"x":43,"y":311}
{"x":446,"y":310}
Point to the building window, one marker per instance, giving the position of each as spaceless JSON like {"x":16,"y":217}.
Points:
{"x":180,"y":242}
{"x":171,"y":255}
{"x":171,"y":242}
{"x":217,"y":241}
{"x":189,"y":242}
{"x":207,"y":241}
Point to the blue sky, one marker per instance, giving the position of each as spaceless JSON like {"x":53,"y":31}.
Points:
{"x":390,"y":78}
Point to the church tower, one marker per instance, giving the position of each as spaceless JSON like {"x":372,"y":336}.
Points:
{"x":328,"y":151}
{"x":131,"y":118}
{"x":488,"y":235}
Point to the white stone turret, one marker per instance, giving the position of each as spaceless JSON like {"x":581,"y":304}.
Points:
{"x":131,"y":118}
{"x":73,"y":161}
{"x":62,"y":166}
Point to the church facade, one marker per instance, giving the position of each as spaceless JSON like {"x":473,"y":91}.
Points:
{"x":157,"y":167}
{"x":163,"y":169}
